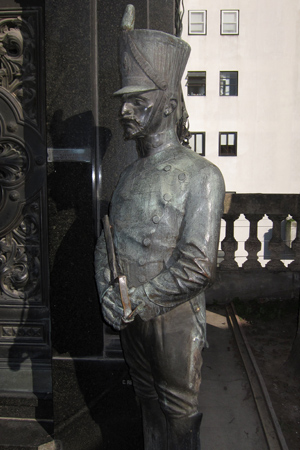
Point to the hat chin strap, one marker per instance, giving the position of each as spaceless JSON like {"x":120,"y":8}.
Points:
{"x":157,"y":109}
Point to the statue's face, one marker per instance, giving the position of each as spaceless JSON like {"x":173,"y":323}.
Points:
{"x":137,"y":113}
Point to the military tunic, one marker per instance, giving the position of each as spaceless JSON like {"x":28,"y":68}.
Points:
{"x":165,"y":215}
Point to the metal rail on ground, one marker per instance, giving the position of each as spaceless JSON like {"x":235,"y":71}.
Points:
{"x":270,"y":424}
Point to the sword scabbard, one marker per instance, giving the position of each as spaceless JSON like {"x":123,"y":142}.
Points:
{"x":128,"y":316}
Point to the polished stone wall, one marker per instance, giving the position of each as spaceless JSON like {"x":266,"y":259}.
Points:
{"x":81,"y":75}
{"x":75,"y":314}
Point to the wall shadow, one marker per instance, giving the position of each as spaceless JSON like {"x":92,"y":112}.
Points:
{"x":75,"y":311}
{"x":87,"y":389}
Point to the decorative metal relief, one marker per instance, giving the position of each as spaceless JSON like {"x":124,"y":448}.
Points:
{"x":13,"y":163}
{"x":9,"y":333}
{"x":20,"y":257}
{"x":22,"y":157}
{"x":18,"y":73}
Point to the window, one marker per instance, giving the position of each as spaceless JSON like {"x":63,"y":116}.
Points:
{"x":230,"y":22}
{"x":227,"y":143}
{"x":228,"y":83}
{"x":196,"y":83}
{"x":197,"y":22}
{"x":197,"y":142}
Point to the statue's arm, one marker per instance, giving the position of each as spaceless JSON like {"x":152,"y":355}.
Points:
{"x":193,"y":263}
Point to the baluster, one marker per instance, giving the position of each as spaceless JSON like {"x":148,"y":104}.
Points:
{"x":229,"y":244}
{"x":253,"y":244}
{"x":276,"y":244}
{"x":295,"y":265}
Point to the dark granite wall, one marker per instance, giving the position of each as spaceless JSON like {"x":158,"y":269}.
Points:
{"x":81,"y":74}
{"x":76,"y":321}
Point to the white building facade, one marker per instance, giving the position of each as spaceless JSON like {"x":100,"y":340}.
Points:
{"x":242,"y":93}
{"x":242,"y":90}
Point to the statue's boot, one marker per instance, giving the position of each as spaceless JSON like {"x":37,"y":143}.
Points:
{"x":184,"y":433}
{"x":154,"y":426}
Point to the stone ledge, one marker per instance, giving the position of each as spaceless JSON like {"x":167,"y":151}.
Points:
{"x":253,"y":285}
{"x":19,"y":434}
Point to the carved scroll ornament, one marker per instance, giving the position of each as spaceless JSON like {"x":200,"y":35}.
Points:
{"x":17,"y":61}
{"x":20,"y":257}
{"x":22,"y":163}
{"x":22,"y":157}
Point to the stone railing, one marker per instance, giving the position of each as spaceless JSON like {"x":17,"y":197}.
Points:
{"x":251,"y":279}
{"x":254,"y":206}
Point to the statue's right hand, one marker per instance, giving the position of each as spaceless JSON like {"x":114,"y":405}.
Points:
{"x":112,"y":308}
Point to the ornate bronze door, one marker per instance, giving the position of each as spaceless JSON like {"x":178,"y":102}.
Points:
{"x":25,"y":350}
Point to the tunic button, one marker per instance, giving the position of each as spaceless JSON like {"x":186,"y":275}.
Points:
{"x":181,"y":176}
{"x":167,"y":197}
{"x":155,"y":219}
{"x":142,"y":278}
{"x":147,"y":242}
{"x":142,"y":261}
{"x":167,"y":168}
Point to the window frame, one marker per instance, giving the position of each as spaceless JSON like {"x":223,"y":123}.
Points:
{"x":193,"y":136}
{"x":190,"y":85}
{"x":190,"y":22}
{"x":223,"y":12}
{"x":236,"y":85}
{"x":227,"y":133}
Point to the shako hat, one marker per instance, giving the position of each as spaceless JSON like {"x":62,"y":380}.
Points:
{"x":150,"y":59}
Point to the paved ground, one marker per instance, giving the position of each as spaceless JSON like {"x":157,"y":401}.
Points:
{"x":230,"y":419}
{"x":96,"y":408}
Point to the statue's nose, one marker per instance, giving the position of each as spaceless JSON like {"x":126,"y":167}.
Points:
{"x":126,"y":110}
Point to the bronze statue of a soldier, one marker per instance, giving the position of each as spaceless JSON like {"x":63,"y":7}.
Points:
{"x":165,"y":219}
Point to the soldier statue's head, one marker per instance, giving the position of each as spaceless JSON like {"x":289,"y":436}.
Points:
{"x":152,"y":65}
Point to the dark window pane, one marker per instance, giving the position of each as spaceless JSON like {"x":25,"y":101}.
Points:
{"x":228,"y":144}
{"x":196,"y":83}
{"x":229,"y":83}
{"x":197,"y":143}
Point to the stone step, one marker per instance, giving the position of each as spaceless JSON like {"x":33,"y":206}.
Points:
{"x":26,"y":434}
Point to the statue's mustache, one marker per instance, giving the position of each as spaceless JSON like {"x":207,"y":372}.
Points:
{"x":127,"y":120}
